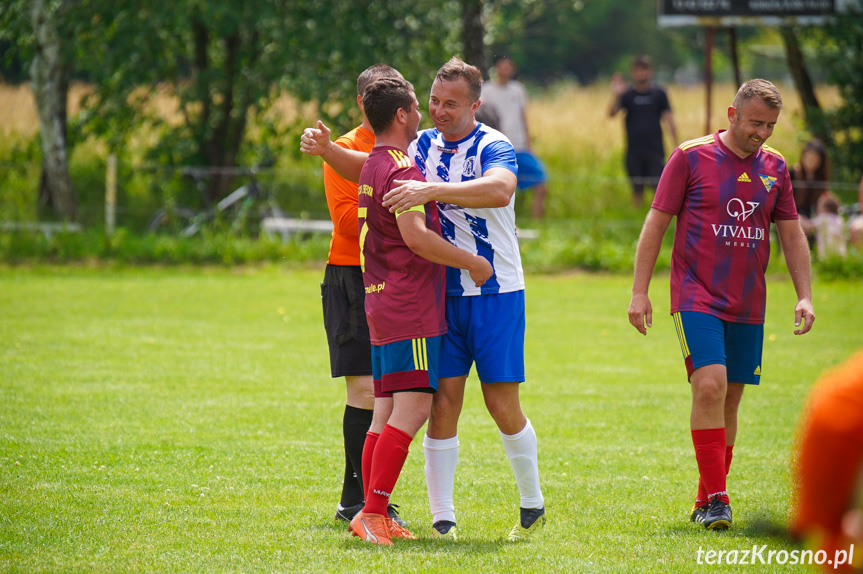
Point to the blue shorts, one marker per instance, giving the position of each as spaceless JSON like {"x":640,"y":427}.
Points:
{"x":410,"y":365}
{"x":487,"y":330}
{"x":708,"y":340}
{"x":531,"y":172}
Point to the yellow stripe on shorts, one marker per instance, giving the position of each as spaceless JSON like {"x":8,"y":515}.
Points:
{"x":420,"y":354}
{"x":678,"y":325}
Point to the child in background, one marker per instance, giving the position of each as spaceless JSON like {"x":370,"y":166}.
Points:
{"x":829,"y":227}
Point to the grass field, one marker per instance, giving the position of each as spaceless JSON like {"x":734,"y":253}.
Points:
{"x":183,"y":420}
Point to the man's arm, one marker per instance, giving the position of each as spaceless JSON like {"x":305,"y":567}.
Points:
{"x":649,"y":242}
{"x":618,"y":88}
{"x":668,"y":119}
{"x":493,"y":189}
{"x":429,"y":245}
{"x":796,"y":250}
{"x":347,"y":163}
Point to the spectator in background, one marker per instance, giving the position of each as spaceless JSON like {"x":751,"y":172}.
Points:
{"x":508,"y":98}
{"x":855,"y":225}
{"x":829,"y":467}
{"x":829,"y":227}
{"x":810,"y":178}
{"x":647,"y":108}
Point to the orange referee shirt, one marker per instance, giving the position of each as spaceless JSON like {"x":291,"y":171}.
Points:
{"x":830,"y":456}
{"x":342,"y":201}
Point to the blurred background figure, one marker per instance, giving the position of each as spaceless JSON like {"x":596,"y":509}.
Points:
{"x":855,"y":224}
{"x":829,"y":466}
{"x":646,"y":107}
{"x":810,"y":178}
{"x":829,"y":227}
{"x":508,"y":98}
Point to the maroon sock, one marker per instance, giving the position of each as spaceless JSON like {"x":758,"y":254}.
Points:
{"x":368,"y":453}
{"x":389,"y":458}
{"x":710,"y":456}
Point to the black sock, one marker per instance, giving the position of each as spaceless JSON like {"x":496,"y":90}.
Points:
{"x":355,"y":425}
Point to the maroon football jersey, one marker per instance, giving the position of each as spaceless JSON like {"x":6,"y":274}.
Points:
{"x":405,"y":294}
{"x":724,"y":205}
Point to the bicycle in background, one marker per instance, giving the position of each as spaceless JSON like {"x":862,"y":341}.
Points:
{"x":242,"y":211}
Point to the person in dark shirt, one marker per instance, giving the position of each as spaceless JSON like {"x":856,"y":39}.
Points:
{"x":646,"y":107}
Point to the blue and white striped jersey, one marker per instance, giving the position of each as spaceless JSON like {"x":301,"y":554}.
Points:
{"x":489,"y":232}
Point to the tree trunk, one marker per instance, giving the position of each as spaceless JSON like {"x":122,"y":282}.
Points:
{"x":472,"y":33}
{"x":815,"y":120}
{"x":49,"y":76}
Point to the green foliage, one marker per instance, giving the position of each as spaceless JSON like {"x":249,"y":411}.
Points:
{"x":129,"y":248}
{"x":183,"y":420}
{"x":841,"y":52}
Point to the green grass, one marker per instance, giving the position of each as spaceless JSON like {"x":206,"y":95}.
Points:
{"x":183,"y":420}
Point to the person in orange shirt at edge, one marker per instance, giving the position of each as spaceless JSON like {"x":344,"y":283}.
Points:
{"x":828,"y":515}
{"x":343,"y":298}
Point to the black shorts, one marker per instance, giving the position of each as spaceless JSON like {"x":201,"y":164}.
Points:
{"x":644,"y":166}
{"x":343,"y":297}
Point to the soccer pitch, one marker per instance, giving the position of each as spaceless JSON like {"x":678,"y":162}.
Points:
{"x":184,"y":420}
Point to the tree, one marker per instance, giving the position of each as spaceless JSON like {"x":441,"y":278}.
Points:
{"x":224,"y":61}
{"x":36,"y":31}
{"x":841,"y":53}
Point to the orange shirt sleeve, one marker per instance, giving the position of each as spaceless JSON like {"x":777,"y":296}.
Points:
{"x":342,"y":202}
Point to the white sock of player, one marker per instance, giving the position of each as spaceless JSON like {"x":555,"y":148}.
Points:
{"x":441,"y":459}
{"x":521,"y":450}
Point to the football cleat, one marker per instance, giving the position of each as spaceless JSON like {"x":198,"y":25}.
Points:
{"x":372,"y":528}
{"x":444,"y":529}
{"x":529,"y":526}
{"x":699,"y":512}
{"x":346,"y":513}
{"x":718,"y":516}
{"x":394,"y":515}
{"x":399,"y":531}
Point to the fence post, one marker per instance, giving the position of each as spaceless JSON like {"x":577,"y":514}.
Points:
{"x":111,"y":195}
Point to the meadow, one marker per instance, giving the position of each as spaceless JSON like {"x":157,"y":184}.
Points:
{"x":182,"y":419}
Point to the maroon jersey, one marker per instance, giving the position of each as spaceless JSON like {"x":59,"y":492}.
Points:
{"x":405,"y":293}
{"x":724,"y":206}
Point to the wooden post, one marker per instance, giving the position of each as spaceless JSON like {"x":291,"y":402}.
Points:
{"x":111,"y":195}
{"x":708,"y":73}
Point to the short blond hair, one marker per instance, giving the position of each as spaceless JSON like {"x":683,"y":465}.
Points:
{"x":761,"y":90}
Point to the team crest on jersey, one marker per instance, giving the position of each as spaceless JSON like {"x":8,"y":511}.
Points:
{"x":469,"y":168}
{"x":768,"y":181}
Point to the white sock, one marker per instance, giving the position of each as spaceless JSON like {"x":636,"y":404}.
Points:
{"x":521,"y":450}
{"x":441,"y":459}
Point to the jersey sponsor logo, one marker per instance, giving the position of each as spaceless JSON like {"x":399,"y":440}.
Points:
{"x":768,"y":181}
{"x":739,"y":211}
{"x":445,"y":149}
{"x":744,"y":177}
{"x":469,"y":170}
{"x":366,"y":189}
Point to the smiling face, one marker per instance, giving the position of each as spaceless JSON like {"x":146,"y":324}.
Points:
{"x":451,"y":108}
{"x":750,"y":124}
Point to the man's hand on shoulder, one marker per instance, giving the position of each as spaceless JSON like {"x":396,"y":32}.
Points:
{"x":409,"y":193}
{"x":315,"y":141}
